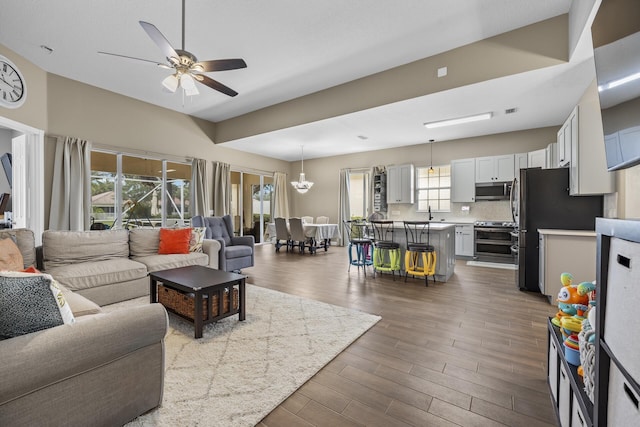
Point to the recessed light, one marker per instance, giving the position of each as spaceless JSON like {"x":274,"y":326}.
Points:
{"x":363,"y":137}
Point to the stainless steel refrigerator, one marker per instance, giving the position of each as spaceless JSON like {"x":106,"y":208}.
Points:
{"x":544,"y":202}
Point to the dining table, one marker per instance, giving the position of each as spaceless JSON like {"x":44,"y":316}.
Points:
{"x":320,"y":234}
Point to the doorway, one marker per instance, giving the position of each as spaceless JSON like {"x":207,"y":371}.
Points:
{"x":27,"y":176}
{"x":251,"y":208}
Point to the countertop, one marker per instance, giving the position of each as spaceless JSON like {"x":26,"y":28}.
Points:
{"x":435,"y":225}
{"x":556,"y":232}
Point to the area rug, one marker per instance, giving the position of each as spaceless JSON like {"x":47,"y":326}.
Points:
{"x":492,"y":265}
{"x":238,"y":372}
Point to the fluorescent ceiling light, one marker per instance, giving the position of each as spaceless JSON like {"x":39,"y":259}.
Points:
{"x":451,"y":122}
{"x":619,"y":82}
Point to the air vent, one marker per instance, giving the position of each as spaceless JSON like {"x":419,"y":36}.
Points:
{"x":510,"y":110}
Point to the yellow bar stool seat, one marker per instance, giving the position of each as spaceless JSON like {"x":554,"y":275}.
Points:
{"x":420,"y":259}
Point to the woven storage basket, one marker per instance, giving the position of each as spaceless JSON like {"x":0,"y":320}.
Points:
{"x":587,"y":358}
{"x":184,"y":304}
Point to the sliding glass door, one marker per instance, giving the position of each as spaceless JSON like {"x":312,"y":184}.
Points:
{"x":251,"y":207}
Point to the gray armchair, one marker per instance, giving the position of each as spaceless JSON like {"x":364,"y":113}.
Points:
{"x":236,"y":252}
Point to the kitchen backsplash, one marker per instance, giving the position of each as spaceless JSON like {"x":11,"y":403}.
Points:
{"x":488,"y":210}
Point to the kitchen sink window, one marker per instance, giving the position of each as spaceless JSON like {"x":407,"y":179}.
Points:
{"x":434,"y":188}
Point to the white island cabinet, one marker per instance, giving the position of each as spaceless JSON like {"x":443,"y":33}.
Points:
{"x":565,"y":251}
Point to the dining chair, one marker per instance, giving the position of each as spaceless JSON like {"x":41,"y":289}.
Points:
{"x":307,"y":219}
{"x":322,"y":220}
{"x":282,"y":233}
{"x":420,"y":257}
{"x":298,"y":237}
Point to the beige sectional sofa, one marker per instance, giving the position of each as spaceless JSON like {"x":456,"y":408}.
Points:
{"x":112,"y":265}
{"x":106,"y":368}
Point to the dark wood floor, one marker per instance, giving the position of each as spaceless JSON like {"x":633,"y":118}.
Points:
{"x":469,"y":352}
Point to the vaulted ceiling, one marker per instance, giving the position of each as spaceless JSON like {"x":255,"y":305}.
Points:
{"x":337,"y":77}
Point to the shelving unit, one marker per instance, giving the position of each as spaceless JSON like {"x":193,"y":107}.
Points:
{"x":617,"y":365}
{"x":565,"y":399}
{"x":380,"y":192}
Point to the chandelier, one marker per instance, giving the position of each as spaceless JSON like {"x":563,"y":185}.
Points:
{"x":302,"y":185}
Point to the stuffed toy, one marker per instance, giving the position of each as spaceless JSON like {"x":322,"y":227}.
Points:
{"x":570,"y":301}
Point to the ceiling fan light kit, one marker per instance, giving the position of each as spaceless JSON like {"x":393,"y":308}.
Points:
{"x":185,"y":64}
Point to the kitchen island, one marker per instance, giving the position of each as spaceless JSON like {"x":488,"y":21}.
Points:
{"x":442,"y":237}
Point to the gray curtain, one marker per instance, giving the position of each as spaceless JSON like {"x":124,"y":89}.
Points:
{"x":280,"y":195}
{"x":221,"y":189}
{"x":71,"y":186}
{"x":345,"y":208}
{"x":200,"y":193}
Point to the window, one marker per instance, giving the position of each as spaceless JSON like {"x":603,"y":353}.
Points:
{"x":127,"y":191}
{"x":434,"y":189}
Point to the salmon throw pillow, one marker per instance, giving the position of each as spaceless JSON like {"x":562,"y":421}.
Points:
{"x":10,"y":256}
{"x":174,"y":241}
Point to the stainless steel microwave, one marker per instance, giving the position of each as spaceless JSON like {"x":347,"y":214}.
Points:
{"x":493,"y":191}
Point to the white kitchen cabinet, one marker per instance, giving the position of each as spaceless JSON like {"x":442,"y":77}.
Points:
{"x":567,"y":132}
{"x":571,"y":251}
{"x":588,"y":173}
{"x":521,"y":161}
{"x":551,"y":153}
{"x":537,"y":159}
{"x":464,"y":240}
{"x":495,"y":168}
{"x":400,"y":184}
{"x":463,"y":180}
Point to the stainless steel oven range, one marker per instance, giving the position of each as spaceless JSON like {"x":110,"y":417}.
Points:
{"x":494,"y":241}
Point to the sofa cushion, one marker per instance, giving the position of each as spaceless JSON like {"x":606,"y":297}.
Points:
{"x":231,"y":252}
{"x":174,"y":241}
{"x":25,"y":240}
{"x":144,"y":241}
{"x":30,"y":303}
{"x":10,"y":255}
{"x":99,"y":273}
{"x":61,"y":248}
{"x":79,"y":305}
{"x":165,"y":262}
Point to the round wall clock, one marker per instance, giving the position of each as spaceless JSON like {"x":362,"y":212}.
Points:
{"x":13,"y":89}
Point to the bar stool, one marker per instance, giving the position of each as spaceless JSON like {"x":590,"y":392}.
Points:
{"x":420,"y":257}
{"x":359,"y":240}
{"x":386,"y":252}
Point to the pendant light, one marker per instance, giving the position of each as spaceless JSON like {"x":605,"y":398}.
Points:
{"x":302,"y":185}
{"x":431,"y":170}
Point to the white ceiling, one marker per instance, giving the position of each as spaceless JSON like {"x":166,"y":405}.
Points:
{"x":294,"y":48}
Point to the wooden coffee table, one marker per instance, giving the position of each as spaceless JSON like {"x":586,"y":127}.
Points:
{"x":201,"y":281}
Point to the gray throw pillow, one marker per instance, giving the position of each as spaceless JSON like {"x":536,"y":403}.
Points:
{"x":27,"y":305}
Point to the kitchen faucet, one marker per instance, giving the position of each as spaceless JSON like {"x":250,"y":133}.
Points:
{"x":430,"y":216}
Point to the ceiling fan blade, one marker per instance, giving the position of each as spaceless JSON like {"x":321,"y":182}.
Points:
{"x":160,"y":41}
{"x":213,"y":84}
{"x":135,"y":59}
{"x":223,"y":64}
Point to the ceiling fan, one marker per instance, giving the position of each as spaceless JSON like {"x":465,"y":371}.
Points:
{"x":187,"y":68}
